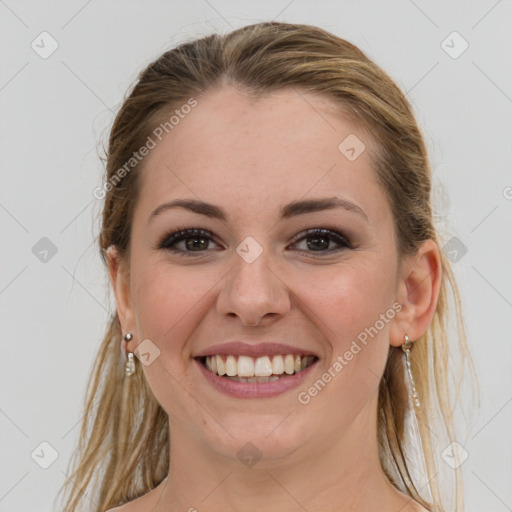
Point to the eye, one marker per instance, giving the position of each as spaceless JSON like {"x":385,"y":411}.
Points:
{"x":196,"y":241}
{"x":187,"y":241}
{"x":321,"y":240}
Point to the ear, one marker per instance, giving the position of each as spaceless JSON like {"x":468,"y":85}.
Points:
{"x":120,"y":281}
{"x":418,"y":292}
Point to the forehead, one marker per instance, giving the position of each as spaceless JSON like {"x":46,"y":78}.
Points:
{"x":253,"y":154}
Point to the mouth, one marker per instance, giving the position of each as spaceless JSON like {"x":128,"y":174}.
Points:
{"x":256,"y":370}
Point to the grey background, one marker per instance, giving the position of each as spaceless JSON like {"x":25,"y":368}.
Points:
{"x":55,"y":114}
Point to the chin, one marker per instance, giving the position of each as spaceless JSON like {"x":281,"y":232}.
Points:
{"x":268,"y":438}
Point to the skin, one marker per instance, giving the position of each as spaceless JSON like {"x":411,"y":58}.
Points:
{"x":251,"y":157}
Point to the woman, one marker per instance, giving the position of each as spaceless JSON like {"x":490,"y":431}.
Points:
{"x":281,"y":295}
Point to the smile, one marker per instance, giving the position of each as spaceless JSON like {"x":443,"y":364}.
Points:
{"x":242,"y":376}
{"x":257,"y":369}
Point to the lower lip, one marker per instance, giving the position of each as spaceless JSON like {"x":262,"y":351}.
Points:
{"x":255,"y":389}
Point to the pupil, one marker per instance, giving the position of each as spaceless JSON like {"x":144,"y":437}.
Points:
{"x":192,"y":243}
{"x":324,"y":243}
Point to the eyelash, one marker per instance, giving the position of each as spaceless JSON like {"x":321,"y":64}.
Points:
{"x":179,"y":235}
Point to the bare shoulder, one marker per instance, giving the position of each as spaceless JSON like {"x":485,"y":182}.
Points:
{"x":407,"y":504}
{"x":145,"y":503}
{"x":131,"y":506}
{"x":414,"y":506}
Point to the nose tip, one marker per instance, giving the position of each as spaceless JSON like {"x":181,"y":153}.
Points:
{"x":253,"y":293}
{"x":254,"y":320}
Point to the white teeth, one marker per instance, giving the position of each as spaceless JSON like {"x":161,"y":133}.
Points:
{"x":245,"y":366}
{"x":260,"y":369}
{"x":263,"y":367}
{"x":231,"y":366}
{"x":221,"y":367}
{"x":277,"y":365}
{"x":289,"y":364}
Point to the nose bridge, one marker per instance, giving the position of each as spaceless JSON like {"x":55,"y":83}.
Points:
{"x":252,"y":270}
{"x":252,"y":290}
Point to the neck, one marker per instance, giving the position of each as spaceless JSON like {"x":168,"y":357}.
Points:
{"x":344,"y":470}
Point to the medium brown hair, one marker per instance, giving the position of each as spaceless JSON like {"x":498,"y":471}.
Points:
{"x":124,"y":441}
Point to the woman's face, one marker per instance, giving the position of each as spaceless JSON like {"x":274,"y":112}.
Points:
{"x":257,"y":280}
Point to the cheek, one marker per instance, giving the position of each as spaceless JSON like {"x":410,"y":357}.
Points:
{"x":168,"y":303}
{"x":349,"y":298}
{"x":352,"y":305}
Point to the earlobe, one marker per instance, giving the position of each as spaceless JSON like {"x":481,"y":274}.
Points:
{"x":120,"y":282}
{"x":418,"y":293}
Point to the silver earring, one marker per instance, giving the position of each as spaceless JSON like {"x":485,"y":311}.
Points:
{"x":406,"y":347}
{"x":129,"y":367}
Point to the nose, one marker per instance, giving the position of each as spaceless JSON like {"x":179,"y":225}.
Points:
{"x":253,"y":292}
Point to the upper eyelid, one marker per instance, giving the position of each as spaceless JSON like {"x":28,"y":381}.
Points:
{"x":334,"y":234}
{"x":181,"y":234}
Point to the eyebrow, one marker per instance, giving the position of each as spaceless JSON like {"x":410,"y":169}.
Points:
{"x":290,"y":210}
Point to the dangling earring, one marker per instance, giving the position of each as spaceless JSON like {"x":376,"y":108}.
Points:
{"x":129,"y":367}
{"x":406,"y":347}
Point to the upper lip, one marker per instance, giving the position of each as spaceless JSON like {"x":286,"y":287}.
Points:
{"x":253,"y":349}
